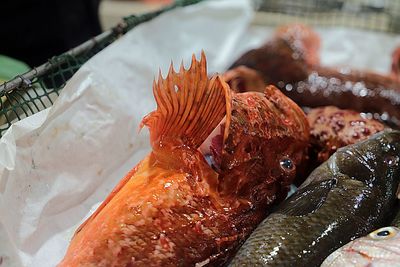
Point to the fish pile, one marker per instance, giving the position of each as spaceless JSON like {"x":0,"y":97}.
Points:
{"x":349,"y":195}
{"x":227,"y":148}
{"x":173,"y":208}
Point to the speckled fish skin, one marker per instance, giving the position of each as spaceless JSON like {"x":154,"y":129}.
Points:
{"x":173,"y":209}
{"x":380,"y":248}
{"x":350,"y":195}
{"x":332,"y":128}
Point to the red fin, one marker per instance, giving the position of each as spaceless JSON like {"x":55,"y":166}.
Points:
{"x":189,"y":105}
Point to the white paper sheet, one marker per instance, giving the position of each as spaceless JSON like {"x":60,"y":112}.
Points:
{"x":56,"y":166}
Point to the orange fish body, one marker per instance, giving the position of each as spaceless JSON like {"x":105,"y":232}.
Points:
{"x":173,"y":209}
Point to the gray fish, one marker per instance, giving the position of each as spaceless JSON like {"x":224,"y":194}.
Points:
{"x":348,"y":196}
{"x":381,"y":248}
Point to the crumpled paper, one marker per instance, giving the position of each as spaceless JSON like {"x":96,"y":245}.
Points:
{"x":57,"y":165}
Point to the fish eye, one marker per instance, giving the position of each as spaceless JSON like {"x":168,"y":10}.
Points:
{"x":286,"y":164}
{"x":383,"y":233}
{"x":392,"y":161}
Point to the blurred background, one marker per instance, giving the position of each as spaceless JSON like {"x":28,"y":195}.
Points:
{"x":34,"y":31}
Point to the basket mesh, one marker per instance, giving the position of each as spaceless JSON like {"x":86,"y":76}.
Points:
{"x":30,"y":93}
{"x":38,"y":93}
{"x":376,"y":15}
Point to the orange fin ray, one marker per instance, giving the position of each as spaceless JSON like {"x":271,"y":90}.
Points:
{"x":189,"y":105}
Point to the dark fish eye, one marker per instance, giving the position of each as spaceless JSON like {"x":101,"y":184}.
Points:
{"x":286,"y":164}
{"x":392,"y":161}
{"x":383,"y":233}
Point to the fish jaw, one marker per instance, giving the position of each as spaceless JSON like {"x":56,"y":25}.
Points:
{"x":212,"y":146}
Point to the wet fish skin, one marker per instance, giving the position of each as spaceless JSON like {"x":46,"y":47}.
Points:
{"x":332,"y":128}
{"x":379,"y":248}
{"x":348,"y":196}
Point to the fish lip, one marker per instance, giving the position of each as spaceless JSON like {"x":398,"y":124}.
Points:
{"x":205,"y":147}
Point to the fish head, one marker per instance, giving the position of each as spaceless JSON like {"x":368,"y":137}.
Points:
{"x":379,"y":247}
{"x":264,"y":143}
{"x":374,"y":161}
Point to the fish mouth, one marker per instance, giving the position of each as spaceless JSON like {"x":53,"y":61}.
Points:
{"x":211,"y":148}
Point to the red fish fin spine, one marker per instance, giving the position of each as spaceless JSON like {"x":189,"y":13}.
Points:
{"x":189,"y":105}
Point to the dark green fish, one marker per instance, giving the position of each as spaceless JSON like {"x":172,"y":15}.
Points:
{"x":348,"y":196}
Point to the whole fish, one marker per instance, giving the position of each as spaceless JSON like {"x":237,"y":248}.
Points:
{"x":290,"y":61}
{"x":173,"y":208}
{"x":379,"y":248}
{"x":348,"y":196}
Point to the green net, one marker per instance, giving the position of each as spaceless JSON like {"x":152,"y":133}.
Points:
{"x":37,"y":89}
{"x":383,"y":16}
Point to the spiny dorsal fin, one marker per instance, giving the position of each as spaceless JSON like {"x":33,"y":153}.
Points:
{"x":189,"y":105}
